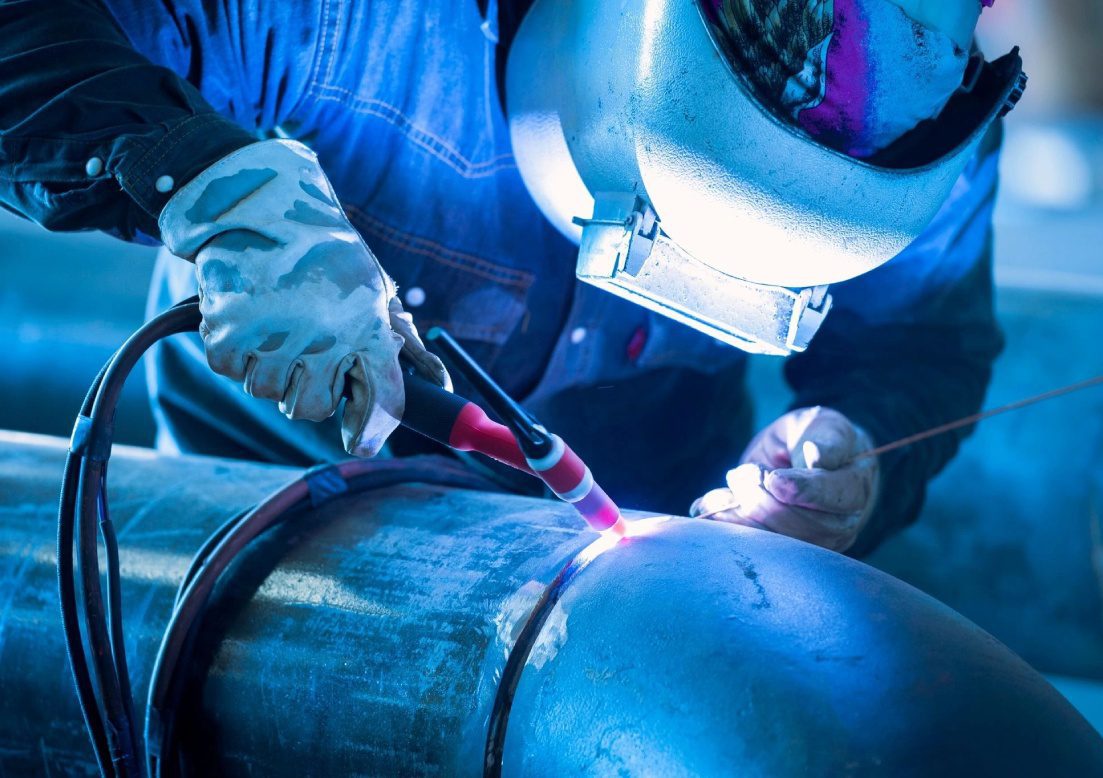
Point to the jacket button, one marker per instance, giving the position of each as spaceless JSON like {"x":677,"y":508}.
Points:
{"x":578,"y":334}
{"x":164,"y":184}
{"x":415,"y":296}
{"x":93,"y":167}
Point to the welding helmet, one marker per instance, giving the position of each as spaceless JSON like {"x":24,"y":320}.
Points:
{"x":639,"y":139}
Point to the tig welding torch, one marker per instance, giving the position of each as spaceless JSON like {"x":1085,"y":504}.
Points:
{"x":97,"y":653}
{"x":522,"y":442}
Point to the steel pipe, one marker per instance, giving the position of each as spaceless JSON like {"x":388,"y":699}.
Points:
{"x":369,"y":636}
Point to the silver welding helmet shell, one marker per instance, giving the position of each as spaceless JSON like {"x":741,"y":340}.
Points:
{"x":610,"y":100}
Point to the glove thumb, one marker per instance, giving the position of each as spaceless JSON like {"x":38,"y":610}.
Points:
{"x":427,"y":364}
{"x":375,"y":403}
{"x":826,"y":441}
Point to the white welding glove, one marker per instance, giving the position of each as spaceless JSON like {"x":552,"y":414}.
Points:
{"x":294,"y":304}
{"x":797,"y":479}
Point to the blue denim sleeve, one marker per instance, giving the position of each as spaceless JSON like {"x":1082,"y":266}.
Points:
{"x":88,"y":125}
{"x":911,"y":345}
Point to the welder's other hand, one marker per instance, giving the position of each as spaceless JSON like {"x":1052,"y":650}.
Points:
{"x":294,"y":304}
{"x":797,"y":478}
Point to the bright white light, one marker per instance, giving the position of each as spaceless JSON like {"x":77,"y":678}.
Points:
{"x":745,"y":484}
{"x":610,"y":538}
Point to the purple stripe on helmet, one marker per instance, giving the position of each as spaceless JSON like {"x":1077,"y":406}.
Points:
{"x":842,"y":117}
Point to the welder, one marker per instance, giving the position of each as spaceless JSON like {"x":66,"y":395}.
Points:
{"x":326,"y":173}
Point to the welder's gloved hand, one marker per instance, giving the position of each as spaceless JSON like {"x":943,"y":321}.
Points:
{"x":797,"y":479}
{"x":294,"y":303}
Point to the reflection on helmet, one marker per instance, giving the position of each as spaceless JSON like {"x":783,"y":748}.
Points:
{"x":854,"y":74}
{"x":722,"y":161}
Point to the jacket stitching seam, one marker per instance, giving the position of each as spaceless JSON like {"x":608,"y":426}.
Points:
{"x":355,"y":99}
{"x":468,"y":262}
{"x":316,"y":60}
{"x":409,"y":246}
{"x":437,"y":147}
{"x":169,"y":142}
{"x":336,"y":36}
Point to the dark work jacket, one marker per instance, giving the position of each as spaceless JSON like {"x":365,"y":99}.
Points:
{"x":400,"y":100}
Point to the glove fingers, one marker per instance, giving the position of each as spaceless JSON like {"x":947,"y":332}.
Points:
{"x":313,"y":388}
{"x":376,"y":401}
{"x":748,"y":503}
{"x":429,"y":367}
{"x":828,"y":530}
{"x":425,"y":362}
{"x":761,"y":510}
{"x":266,"y":376}
{"x":830,"y":491}
{"x":768,"y":448}
{"x":712,"y":503}
{"x":776,"y":449}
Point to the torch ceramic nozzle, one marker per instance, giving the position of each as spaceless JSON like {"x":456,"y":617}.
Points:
{"x":620,"y":528}
{"x":549,"y":458}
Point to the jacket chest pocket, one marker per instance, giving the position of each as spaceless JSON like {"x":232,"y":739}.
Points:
{"x":401,"y":68}
{"x":476,"y":299}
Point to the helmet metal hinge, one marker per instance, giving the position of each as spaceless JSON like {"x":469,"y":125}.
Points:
{"x":624,"y":251}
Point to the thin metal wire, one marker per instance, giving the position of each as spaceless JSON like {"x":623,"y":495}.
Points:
{"x":976,"y":417}
{"x":965,"y":421}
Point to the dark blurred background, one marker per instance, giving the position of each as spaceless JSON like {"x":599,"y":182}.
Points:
{"x":1012,"y":535}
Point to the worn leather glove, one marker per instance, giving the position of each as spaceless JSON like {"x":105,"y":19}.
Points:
{"x":797,"y":479}
{"x":294,"y":304}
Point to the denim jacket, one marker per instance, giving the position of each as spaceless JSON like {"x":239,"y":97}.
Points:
{"x":400,"y":101}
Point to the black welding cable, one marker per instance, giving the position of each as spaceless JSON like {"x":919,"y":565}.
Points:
{"x":66,"y":579}
{"x":166,"y":718}
{"x":158,"y":718}
{"x":111,"y":722}
{"x":160,"y":723}
{"x":164,"y":748}
{"x":86,"y":491}
{"x":114,"y":602}
{"x":82,"y":495}
{"x":203,"y":554}
{"x":118,"y":707}
{"x":167,"y":681}
{"x":95,"y":621}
